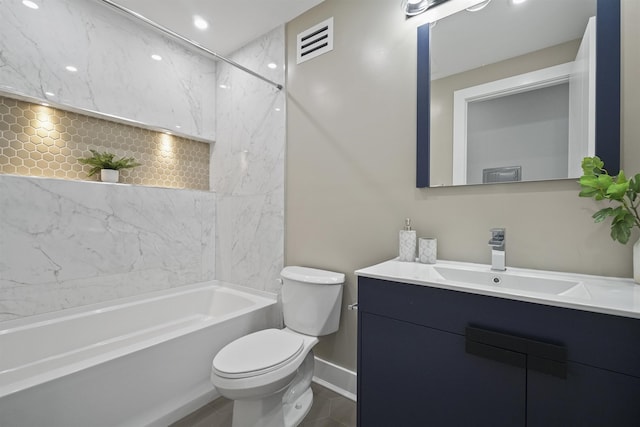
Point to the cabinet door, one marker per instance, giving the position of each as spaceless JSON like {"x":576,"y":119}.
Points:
{"x":587,"y":397}
{"x":410,"y":375}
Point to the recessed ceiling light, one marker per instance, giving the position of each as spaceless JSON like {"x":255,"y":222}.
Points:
{"x":517,"y":1}
{"x":272,"y":65}
{"x":277,"y":109}
{"x":223,"y":86}
{"x":156,"y":57}
{"x":71,"y":68}
{"x":200,"y":22}
{"x":30,"y":4}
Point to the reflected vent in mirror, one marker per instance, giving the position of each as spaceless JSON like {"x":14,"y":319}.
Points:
{"x":315,"y":41}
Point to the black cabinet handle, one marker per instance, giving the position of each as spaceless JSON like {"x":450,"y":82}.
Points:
{"x":537,"y":355}
{"x":509,"y":357}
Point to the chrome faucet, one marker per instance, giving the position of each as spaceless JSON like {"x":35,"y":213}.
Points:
{"x":497,"y":243}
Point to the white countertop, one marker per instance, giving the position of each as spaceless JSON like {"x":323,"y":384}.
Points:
{"x":609,"y":295}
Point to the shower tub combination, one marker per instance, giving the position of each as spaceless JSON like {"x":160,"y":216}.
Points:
{"x":138,"y":361}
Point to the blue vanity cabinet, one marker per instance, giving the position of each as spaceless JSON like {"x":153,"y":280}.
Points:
{"x":437,"y":357}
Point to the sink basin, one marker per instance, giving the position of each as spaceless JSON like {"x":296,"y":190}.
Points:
{"x":503,"y":279}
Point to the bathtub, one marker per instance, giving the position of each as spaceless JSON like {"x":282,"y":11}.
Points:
{"x":138,"y":361}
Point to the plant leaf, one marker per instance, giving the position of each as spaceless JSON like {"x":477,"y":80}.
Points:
{"x":589,"y":181}
{"x":634,"y":183}
{"x":604,"y":181}
{"x":592,"y":165}
{"x":621,"y":178}
{"x":587,"y":192}
{"x":621,"y":231}
{"x":617,"y":191}
{"x":602,"y":214}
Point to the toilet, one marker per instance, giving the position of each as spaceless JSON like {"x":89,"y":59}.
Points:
{"x":268,"y":373}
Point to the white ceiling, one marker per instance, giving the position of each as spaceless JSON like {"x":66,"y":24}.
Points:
{"x":232,"y":23}
{"x":503,"y":30}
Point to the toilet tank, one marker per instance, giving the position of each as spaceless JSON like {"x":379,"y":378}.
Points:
{"x":311,"y":300}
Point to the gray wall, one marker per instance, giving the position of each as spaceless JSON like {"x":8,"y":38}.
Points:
{"x":350,"y":168}
{"x":528,"y":129}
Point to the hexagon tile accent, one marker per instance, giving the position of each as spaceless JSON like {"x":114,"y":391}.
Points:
{"x":43,"y":141}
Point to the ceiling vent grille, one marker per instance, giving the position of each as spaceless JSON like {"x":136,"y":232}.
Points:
{"x":315,"y":41}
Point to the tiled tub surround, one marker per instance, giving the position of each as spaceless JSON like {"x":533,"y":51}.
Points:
{"x":247,"y":167}
{"x":42,"y":141}
{"x":71,"y":243}
{"x":115,"y":72}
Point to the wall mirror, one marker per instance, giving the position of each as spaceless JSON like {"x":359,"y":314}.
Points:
{"x":518,"y":92}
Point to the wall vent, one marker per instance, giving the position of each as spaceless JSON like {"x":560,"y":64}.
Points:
{"x":315,"y":41}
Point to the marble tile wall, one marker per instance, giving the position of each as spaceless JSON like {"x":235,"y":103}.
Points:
{"x":71,"y":243}
{"x":115,"y":72}
{"x":247,"y":166}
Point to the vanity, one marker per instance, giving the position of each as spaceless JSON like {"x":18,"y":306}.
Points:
{"x":456,"y":344}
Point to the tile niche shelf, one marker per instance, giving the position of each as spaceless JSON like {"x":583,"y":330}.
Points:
{"x":37,"y":140}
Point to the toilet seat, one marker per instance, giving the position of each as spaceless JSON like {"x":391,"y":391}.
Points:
{"x":257,"y":353}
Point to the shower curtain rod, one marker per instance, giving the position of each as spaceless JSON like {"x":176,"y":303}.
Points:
{"x":190,"y":42}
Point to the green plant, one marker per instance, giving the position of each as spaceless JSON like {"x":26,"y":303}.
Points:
{"x":99,"y":161}
{"x":597,"y":183}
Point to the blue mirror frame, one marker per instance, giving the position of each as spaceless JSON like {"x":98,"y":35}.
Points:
{"x":607,"y":92}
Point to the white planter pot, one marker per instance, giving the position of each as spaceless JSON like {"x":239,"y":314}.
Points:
{"x":109,"y":175}
{"x":636,"y":262}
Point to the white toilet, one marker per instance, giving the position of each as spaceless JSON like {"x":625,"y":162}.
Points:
{"x":268,"y":373}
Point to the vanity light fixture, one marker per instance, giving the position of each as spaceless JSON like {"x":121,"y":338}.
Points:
{"x":200,"y":23}
{"x":480,"y":6}
{"x":416,"y":7}
{"x":156,"y":57}
{"x":30,"y":4}
{"x":71,"y":68}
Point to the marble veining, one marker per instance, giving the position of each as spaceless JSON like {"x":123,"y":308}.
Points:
{"x":69,"y":243}
{"x":115,"y":72}
{"x":247,"y":166}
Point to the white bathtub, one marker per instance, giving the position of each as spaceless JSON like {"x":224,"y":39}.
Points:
{"x":138,"y":361}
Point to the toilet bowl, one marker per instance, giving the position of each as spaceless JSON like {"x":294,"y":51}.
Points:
{"x":261,"y":368}
{"x":268,"y":373}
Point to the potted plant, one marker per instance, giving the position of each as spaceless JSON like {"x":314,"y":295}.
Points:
{"x":597,"y":183}
{"x":107,"y":165}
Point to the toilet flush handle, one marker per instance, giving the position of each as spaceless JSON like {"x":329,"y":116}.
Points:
{"x":353,"y":306}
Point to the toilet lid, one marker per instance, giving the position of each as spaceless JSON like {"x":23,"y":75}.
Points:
{"x":257,"y":353}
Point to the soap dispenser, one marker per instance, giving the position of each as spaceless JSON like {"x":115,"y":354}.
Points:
{"x":407,"y":243}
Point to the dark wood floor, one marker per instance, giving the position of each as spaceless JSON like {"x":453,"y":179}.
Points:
{"x":329,"y":410}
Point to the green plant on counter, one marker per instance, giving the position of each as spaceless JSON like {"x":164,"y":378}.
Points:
{"x":99,"y":161}
{"x":597,"y":183}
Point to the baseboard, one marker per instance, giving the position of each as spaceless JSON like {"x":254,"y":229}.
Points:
{"x":335,"y":378}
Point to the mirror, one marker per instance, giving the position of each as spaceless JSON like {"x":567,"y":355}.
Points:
{"x":477,"y":70}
